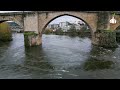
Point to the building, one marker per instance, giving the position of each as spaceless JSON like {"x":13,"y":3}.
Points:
{"x":53,"y":26}
{"x":63,"y":24}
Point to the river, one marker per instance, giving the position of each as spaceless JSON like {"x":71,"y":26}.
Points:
{"x":59,"y":57}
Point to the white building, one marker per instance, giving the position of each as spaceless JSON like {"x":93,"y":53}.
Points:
{"x":63,"y":24}
{"x":53,"y":26}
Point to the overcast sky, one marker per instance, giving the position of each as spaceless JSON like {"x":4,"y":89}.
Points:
{"x":64,"y":19}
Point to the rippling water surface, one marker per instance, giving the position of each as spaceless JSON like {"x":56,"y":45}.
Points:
{"x":59,"y":57}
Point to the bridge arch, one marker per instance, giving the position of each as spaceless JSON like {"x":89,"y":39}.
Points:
{"x":13,"y":21}
{"x":13,"y":28}
{"x":66,"y":15}
{"x":18,"y":20}
{"x":89,"y":19}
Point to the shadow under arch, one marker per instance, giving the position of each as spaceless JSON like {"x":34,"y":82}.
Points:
{"x":117,"y":30}
{"x":10,"y":20}
{"x":67,"y":15}
{"x":36,"y":58}
{"x":3,"y":21}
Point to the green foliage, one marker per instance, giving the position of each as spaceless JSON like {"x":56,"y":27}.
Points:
{"x":29,"y":33}
{"x":5,"y":32}
{"x":59,"y":31}
{"x":48,"y":31}
{"x":83,"y":29}
{"x":72,"y":29}
{"x":107,"y":30}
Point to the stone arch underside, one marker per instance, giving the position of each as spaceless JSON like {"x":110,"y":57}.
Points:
{"x":89,"y":18}
{"x":17,"y":20}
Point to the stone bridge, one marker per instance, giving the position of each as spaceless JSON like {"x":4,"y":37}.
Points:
{"x":37,"y":21}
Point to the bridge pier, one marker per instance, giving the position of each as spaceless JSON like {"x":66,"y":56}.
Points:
{"x":105,"y":38}
{"x":35,"y":22}
{"x":32,"y":36}
{"x":32,"y":39}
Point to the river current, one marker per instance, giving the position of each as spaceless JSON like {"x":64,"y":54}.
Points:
{"x":59,"y":57}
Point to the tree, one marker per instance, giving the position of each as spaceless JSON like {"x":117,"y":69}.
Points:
{"x":59,"y":31}
{"x":72,"y":30}
{"x":48,"y":31}
{"x":5,"y":32}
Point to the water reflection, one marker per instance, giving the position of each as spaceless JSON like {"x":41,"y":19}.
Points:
{"x":94,"y":64}
{"x":100,"y":51}
{"x":36,"y":58}
{"x":97,"y":59}
{"x":58,"y":57}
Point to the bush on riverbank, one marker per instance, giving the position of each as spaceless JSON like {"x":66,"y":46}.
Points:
{"x":59,"y":31}
{"x":48,"y":31}
{"x":5,"y":32}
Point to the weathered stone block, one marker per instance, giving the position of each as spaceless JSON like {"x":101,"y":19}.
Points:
{"x":105,"y":38}
{"x":32,"y":39}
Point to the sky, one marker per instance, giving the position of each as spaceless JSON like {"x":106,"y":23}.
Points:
{"x":64,"y":19}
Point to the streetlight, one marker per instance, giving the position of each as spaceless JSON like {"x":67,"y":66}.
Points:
{"x":113,"y":20}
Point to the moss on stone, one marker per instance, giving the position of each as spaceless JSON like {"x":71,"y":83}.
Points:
{"x":29,"y":33}
{"x":106,"y":38}
{"x":26,"y":40}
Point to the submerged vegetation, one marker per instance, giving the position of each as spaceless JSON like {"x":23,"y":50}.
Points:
{"x":95,"y":64}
